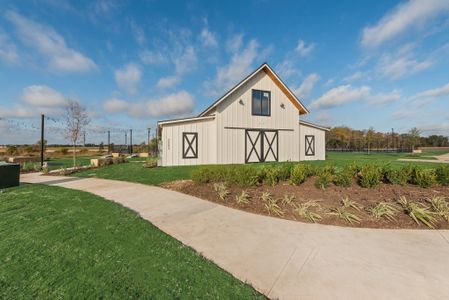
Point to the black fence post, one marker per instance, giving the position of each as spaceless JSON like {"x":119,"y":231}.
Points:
{"x":131,"y":141}
{"x":42,"y":141}
{"x":149,"y":137}
{"x":109,"y":142}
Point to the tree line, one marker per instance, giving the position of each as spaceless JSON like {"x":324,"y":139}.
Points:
{"x":346,"y":138}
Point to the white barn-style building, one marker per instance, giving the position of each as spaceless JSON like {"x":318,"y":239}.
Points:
{"x":258,"y":120}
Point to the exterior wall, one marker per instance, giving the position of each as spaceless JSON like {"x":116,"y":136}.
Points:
{"x":172,"y":143}
{"x":320,"y":142}
{"x":234,"y":116}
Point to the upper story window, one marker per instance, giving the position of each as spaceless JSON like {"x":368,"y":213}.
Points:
{"x":261,"y":103}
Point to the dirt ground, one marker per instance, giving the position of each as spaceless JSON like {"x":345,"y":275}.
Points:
{"x":328,"y":198}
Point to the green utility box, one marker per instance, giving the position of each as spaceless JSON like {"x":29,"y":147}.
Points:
{"x":9,"y":175}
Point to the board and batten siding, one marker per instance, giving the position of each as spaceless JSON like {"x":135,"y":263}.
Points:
{"x":320,"y":142}
{"x":234,"y":115}
{"x":172,"y":143}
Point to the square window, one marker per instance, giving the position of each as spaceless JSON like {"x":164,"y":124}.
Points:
{"x":261,"y":103}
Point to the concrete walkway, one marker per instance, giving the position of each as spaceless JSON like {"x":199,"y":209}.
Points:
{"x":440,"y":159}
{"x":286,"y":259}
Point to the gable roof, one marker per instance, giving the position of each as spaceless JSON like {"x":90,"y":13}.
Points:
{"x":269,"y":71}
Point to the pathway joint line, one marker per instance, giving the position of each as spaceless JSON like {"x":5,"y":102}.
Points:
{"x":282,"y":271}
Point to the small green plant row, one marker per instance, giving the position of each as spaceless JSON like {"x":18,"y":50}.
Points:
{"x":419,"y":212}
{"x":368,"y":176}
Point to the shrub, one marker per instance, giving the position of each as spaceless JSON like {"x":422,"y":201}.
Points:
{"x":397,"y":176}
{"x":240,"y":175}
{"x":245,"y":175}
{"x":272,"y":175}
{"x":323,"y":179}
{"x":285,"y":171}
{"x":331,"y":169}
{"x":355,"y":169}
{"x":442,"y":174}
{"x":410,"y":172}
{"x":202,"y":174}
{"x":64,"y":151}
{"x":344,"y":177}
{"x":370,"y":176}
{"x":425,"y":177}
{"x":299,"y":173}
{"x":150,"y":164}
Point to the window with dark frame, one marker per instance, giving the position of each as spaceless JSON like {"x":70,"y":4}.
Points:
{"x":310,"y":145}
{"x":189,"y":145}
{"x":261,"y":103}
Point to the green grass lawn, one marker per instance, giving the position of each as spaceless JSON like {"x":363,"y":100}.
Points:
{"x":135,"y":172}
{"x":67,"y":162}
{"x":61,"y":243}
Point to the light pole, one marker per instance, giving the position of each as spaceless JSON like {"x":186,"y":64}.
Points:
{"x":149,"y":134}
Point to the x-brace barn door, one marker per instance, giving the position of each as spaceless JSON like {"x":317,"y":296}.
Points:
{"x":261,"y":145}
{"x":189,"y":145}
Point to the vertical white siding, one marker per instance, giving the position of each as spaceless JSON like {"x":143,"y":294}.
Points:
{"x":320,"y":142}
{"x":235,"y":114}
{"x":172,"y":143}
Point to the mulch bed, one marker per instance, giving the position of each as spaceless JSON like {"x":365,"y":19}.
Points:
{"x":328,"y":198}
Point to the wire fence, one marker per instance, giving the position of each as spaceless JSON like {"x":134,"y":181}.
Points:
{"x":28,"y":132}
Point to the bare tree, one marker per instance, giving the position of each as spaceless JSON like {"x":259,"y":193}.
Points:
{"x":76,"y":119}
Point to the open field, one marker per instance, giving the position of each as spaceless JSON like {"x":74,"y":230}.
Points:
{"x":57,"y":243}
{"x":134,"y":172}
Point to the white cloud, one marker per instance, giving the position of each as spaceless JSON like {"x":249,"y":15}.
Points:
{"x":303,"y":50}
{"x":405,"y":16}
{"x":340,"y":95}
{"x":384,"y":98}
{"x":353,"y":77}
{"x":432,"y":93}
{"x":234,"y":43}
{"x":138,"y":33}
{"x":208,"y":38}
{"x":346,"y":93}
{"x":397,"y":66}
{"x":306,"y":87}
{"x":287,"y":69}
{"x":187,"y":61}
{"x":115,"y":105}
{"x":128,"y":78}
{"x":153,"y":57}
{"x":175,"y":104}
{"x":8,"y":51}
{"x":167,"y":82}
{"x":238,"y":67}
{"x":43,"y":96}
{"x":51,"y":45}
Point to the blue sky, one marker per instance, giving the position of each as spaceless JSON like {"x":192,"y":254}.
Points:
{"x":358,"y":63}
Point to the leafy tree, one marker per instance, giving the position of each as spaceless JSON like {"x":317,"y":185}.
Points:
{"x":413,"y":137}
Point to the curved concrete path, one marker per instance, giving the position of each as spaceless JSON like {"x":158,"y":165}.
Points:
{"x":286,"y":259}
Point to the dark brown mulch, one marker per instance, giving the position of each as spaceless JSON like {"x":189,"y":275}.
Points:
{"x":328,"y":198}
